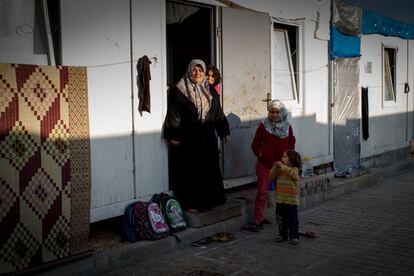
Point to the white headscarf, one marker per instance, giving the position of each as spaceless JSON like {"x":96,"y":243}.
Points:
{"x":281,"y":127}
{"x":198,"y":94}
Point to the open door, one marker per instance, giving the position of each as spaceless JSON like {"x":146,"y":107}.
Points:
{"x":246,"y":83}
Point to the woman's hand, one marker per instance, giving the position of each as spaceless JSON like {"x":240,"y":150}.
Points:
{"x":225,"y":139}
{"x":174,"y":142}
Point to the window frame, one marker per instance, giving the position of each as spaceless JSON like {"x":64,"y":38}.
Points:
{"x":392,"y":68}
{"x":277,"y":25}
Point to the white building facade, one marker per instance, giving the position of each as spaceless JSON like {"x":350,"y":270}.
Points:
{"x":262,"y":47}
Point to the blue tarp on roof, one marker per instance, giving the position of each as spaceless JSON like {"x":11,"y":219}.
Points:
{"x":373,"y":23}
{"x":344,"y":46}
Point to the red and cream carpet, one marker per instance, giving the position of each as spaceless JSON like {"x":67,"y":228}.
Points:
{"x":44,"y":165}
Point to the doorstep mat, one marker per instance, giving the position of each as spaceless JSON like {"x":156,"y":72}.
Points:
{"x":45,"y":165}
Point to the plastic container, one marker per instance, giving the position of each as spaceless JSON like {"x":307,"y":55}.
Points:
{"x":307,"y":167}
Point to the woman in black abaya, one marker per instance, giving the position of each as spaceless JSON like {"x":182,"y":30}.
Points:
{"x":194,"y":119}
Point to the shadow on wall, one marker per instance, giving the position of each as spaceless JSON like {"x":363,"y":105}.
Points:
{"x":238,"y":158}
{"x":111,"y":165}
{"x":313,"y":139}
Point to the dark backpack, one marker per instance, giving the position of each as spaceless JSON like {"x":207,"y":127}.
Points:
{"x":129,"y":227}
{"x":171,"y":209}
{"x":144,"y":221}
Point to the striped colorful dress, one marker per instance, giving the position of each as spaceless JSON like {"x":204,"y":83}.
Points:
{"x":287,"y":187}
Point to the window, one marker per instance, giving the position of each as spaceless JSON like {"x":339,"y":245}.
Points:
{"x":285,"y":81}
{"x":389,"y":72}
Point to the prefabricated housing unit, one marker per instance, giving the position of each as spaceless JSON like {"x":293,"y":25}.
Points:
{"x":263,"y":48}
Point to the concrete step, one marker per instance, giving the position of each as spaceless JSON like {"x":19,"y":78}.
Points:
{"x":223,"y":212}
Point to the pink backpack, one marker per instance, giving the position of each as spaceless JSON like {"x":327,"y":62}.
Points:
{"x":150,"y":221}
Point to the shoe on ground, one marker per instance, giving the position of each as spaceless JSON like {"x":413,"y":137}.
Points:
{"x":259,"y":226}
{"x":252,"y":227}
{"x":204,"y":242}
{"x":308,"y":234}
{"x":294,"y":241}
{"x":280,"y":239}
{"x":222,"y":237}
{"x":265,"y":222}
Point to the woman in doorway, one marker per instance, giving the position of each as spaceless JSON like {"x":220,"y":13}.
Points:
{"x":193,"y":121}
{"x":273,"y":137}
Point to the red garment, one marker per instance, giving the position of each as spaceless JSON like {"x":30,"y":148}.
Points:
{"x":269,"y":148}
{"x":262,"y":189}
{"x":217,"y":87}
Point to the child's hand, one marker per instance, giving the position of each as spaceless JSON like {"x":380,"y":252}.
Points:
{"x":278,"y":163}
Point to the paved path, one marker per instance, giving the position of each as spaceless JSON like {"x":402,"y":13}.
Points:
{"x":370,"y":232}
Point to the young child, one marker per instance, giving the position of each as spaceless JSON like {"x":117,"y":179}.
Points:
{"x":286,"y":173}
{"x":213,"y":77}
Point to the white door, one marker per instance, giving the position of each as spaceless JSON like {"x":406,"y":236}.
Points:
{"x":246,"y":82}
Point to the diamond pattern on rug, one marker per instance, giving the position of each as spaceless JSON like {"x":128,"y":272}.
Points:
{"x":20,"y":247}
{"x":7,"y":198}
{"x":58,"y":239}
{"x":8,"y":91}
{"x":45,"y":165}
{"x":40,"y":193}
{"x":38,"y":92}
{"x":18,"y":146}
{"x":57,"y":144}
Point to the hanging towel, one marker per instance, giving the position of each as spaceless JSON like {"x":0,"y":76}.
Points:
{"x":364,"y":112}
{"x":143,"y":81}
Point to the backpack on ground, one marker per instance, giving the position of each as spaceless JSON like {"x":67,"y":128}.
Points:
{"x":129,"y":227}
{"x":171,"y":209}
{"x":144,"y":221}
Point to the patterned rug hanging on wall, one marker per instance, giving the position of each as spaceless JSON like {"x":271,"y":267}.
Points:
{"x":44,"y":165}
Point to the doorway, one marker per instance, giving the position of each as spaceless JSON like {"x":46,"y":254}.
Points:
{"x":190,"y":35}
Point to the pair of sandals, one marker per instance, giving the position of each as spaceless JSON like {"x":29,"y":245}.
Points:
{"x":218,"y":237}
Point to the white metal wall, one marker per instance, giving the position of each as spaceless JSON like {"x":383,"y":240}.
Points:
{"x":310,"y":116}
{"x":110,"y":36}
{"x":100,"y":35}
{"x":148,"y":38}
{"x":95,"y":34}
{"x":20,"y":33}
{"x":387,"y":124}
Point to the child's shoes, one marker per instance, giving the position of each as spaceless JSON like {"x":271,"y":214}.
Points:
{"x":294,"y":241}
{"x":280,"y":239}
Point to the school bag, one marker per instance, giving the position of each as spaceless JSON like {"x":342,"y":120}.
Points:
{"x":144,"y":221}
{"x":171,"y":209}
{"x":129,"y":227}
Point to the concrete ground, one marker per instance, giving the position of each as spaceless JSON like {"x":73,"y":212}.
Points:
{"x":369,"y":231}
